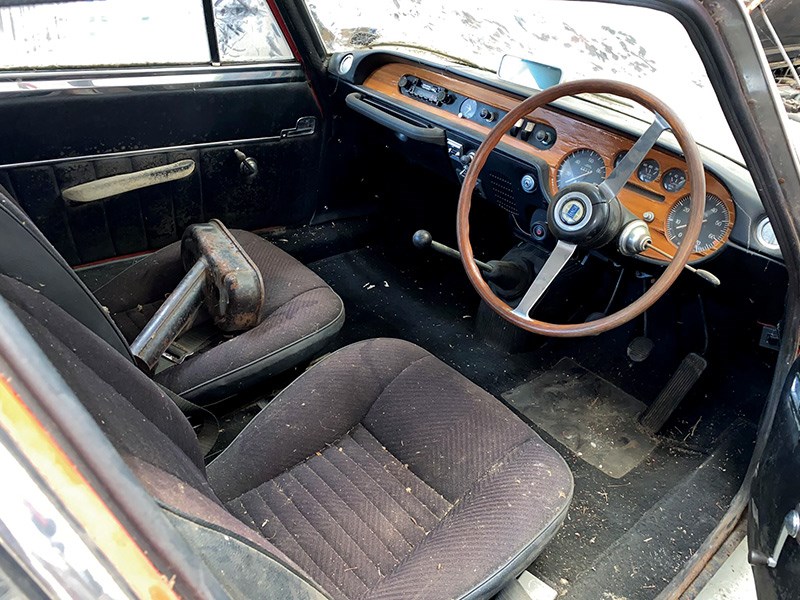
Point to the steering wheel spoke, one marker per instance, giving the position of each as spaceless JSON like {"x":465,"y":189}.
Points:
{"x":560,"y":256}
{"x":632,"y":159}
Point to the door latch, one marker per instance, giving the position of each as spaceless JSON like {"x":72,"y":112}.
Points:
{"x":790,"y":529}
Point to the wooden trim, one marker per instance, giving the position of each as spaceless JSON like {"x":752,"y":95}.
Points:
{"x":573,"y":133}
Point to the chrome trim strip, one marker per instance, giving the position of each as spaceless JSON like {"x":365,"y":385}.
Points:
{"x":305,"y":126}
{"x":81,"y":81}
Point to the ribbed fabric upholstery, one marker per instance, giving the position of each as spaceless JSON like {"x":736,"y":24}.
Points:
{"x":496,"y":491}
{"x":302,"y":313}
{"x":380,"y":473}
{"x":348,"y":515}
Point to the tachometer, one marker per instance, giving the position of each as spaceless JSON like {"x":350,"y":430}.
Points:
{"x":716,"y":223}
{"x":581,"y":166}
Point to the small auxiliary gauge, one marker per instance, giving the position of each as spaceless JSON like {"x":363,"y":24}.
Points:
{"x":766,"y":235}
{"x":468,"y":109}
{"x":648,"y":170}
{"x":673,"y":180}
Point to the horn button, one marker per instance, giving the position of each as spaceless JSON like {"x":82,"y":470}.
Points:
{"x":579,"y":215}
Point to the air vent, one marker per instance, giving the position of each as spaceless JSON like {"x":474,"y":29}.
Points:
{"x":501,"y":192}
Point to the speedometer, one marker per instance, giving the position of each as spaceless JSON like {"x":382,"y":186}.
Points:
{"x":716,"y":223}
{"x":581,"y":166}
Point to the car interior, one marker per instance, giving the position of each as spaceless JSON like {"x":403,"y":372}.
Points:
{"x":479,"y":347}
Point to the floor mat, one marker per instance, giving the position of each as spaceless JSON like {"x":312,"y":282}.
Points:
{"x":587,"y":414}
{"x":643,"y":560}
{"x":426,"y":299}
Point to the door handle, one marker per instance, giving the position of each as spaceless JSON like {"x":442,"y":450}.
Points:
{"x":789,"y":529}
{"x":126,"y":182}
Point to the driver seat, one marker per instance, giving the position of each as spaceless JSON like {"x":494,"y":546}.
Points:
{"x":380,"y":473}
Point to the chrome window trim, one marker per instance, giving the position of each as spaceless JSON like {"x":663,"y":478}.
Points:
{"x":304,"y":126}
{"x":81,"y":81}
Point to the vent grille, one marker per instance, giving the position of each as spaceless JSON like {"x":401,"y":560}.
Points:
{"x":502,"y":192}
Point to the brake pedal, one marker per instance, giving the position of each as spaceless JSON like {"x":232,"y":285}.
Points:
{"x":640,"y":348}
{"x":687,"y":374}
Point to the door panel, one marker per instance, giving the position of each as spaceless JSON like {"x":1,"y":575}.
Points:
{"x":775,"y":494}
{"x":67,"y":138}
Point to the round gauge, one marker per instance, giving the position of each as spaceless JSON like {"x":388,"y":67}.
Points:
{"x":648,"y":170}
{"x":766,"y":234}
{"x":581,"y":166}
{"x":673,"y":180}
{"x":468,"y":108}
{"x":618,"y":158}
{"x":716,"y":223}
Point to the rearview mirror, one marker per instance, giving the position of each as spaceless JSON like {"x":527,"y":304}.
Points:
{"x":529,"y":73}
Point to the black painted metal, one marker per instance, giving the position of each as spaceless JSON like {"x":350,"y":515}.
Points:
{"x":776,"y":491}
{"x":211,"y":31}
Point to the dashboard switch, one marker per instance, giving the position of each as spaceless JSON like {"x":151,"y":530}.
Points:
{"x":517,"y":126}
{"x":539,"y":231}
{"x":528,"y":130}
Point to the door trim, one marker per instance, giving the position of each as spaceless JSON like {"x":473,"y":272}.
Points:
{"x":304,"y":126}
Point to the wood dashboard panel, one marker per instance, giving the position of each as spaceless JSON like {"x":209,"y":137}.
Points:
{"x":573,"y":133}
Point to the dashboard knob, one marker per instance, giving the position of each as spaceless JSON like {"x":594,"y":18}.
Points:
{"x":544,"y":136}
{"x":486,"y":114}
{"x":466,"y":159}
{"x":407,"y":81}
{"x":528,"y":183}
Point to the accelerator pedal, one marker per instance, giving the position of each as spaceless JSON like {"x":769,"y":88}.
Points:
{"x":687,"y":374}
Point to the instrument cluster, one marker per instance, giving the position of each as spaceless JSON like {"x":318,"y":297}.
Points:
{"x":659,"y":185}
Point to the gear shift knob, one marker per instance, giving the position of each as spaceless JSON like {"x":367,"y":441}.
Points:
{"x":422,"y":239}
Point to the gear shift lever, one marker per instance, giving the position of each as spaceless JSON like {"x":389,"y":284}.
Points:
{"x":508,"y":275}
{"x":423,"y":240}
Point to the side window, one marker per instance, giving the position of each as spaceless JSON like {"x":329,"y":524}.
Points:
{"x":247,"y":32}
{"x":121,"y":33}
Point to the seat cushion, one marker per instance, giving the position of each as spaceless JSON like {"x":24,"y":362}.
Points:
{"x":302,"y":314}
{"x":383,"y":473}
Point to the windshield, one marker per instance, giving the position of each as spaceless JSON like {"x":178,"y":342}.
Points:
{"x":641,"y":46}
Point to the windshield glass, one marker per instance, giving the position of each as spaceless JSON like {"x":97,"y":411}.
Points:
{"x":635,"y":45}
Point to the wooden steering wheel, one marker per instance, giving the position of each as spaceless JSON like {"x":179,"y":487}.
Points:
{"x":585,"y":216}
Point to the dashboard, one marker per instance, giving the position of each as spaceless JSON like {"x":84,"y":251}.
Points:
{"x":560,"y":147}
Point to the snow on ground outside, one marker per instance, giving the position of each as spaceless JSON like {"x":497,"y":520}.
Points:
{"x":586,"y":40}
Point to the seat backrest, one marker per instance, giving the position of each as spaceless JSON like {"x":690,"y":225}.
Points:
{"x":27,"y":256}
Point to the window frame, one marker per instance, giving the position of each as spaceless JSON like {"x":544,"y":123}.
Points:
{"x":77,"y":74}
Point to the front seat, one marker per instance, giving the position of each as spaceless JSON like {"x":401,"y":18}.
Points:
{"x":379,"y":473}
{"x":302,"y":312}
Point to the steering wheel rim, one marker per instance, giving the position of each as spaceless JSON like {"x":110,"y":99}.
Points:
{"x":696,"y":178}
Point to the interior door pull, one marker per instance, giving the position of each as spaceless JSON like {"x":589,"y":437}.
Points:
{"x":789,"y":529}
{"x":126,"y":182}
